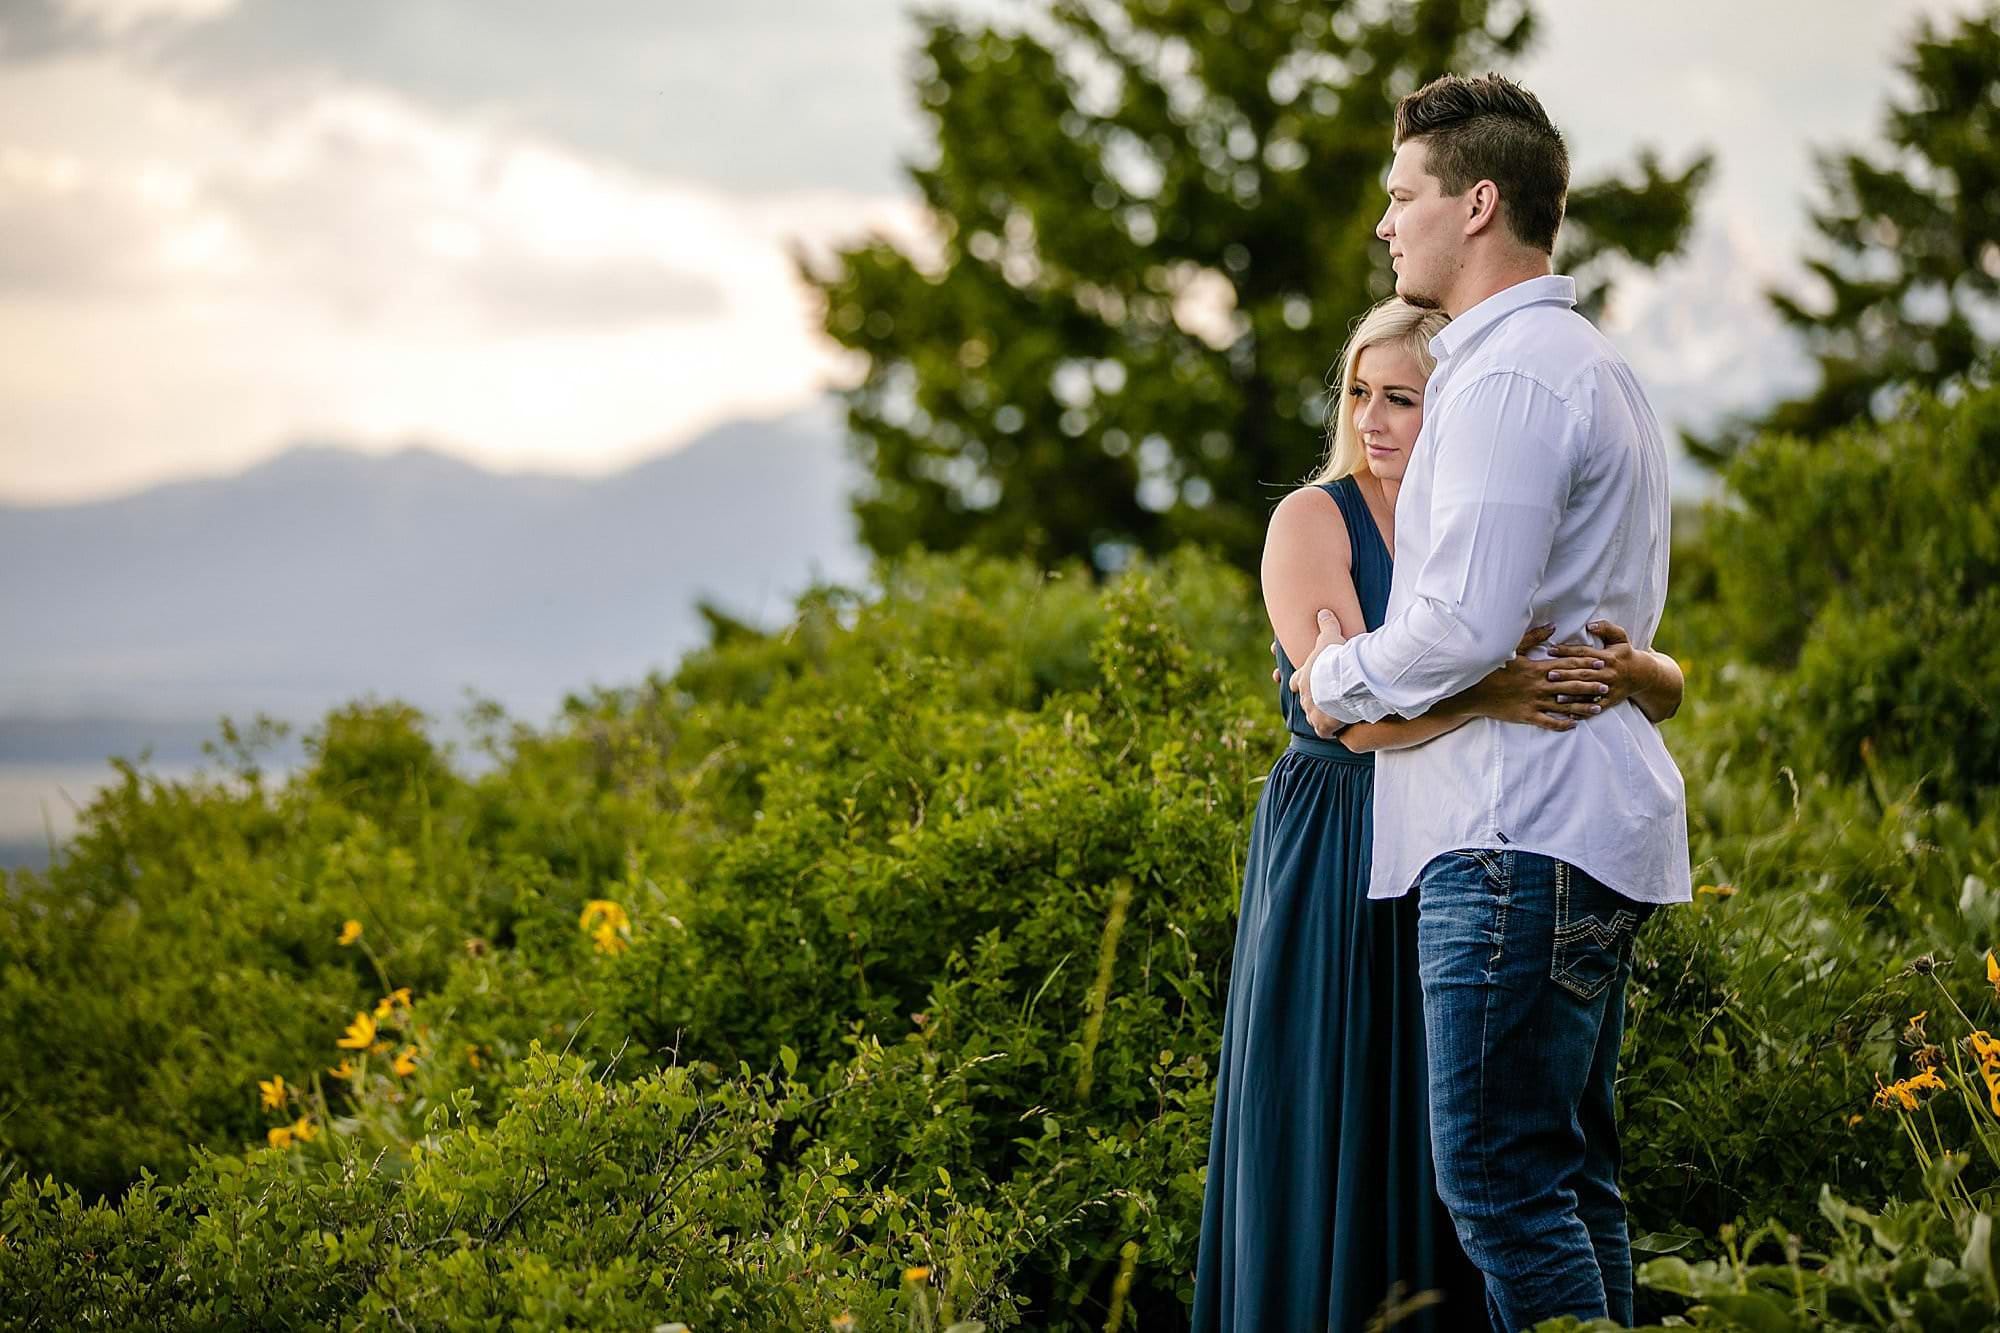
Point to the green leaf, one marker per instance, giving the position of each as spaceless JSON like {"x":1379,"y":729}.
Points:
{"x":1977,"y":1261}
{"x":1757,"y":1312}
{"x":1667,"y":1274}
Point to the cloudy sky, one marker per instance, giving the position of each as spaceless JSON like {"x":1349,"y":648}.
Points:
{"x":557,"y":236}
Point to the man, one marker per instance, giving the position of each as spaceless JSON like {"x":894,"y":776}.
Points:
{"x":1536,"y":493}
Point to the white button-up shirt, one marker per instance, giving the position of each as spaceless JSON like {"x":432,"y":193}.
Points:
{"x":1536,"y":493}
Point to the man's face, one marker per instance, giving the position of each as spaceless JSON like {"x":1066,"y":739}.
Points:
{"x":1425,"y":229}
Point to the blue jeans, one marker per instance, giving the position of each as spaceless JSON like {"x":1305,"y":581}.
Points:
{"x":1524,"y":960}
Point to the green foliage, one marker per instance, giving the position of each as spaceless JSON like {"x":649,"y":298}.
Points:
{"x":1909,"y":243}
{"x":1869,"y":563}
{"x":876,"y":850}
{"x":868,"y":973}
{"x":1156,"y":226}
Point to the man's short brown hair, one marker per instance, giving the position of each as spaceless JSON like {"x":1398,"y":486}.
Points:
{"x":1490,"y":128}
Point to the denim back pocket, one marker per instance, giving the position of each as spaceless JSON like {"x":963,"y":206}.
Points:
{"x":1594,"y":927}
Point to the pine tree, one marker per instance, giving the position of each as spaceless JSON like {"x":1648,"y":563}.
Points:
{"x":1909,"y":244}
{"x":1156,"y":225}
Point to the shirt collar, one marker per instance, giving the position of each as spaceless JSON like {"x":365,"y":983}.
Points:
{"x":1548,"y":289}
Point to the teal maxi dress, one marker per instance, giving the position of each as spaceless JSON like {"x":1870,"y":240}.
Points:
{"x":1320,"y":1194}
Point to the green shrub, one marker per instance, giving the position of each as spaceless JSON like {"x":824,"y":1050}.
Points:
{"x":897,"y":940}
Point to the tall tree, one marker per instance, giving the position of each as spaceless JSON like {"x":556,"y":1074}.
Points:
{"x":1155,"y":227}
{"x":1908,"y":243}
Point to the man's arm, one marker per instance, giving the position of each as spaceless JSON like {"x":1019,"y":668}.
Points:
{"x":1504,"y":449}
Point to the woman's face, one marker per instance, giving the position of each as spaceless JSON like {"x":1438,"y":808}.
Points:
{"x":1387,"y":400}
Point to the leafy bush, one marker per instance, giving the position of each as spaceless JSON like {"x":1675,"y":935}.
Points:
{"x":869,"y":973}
{"x":1868,"y":565}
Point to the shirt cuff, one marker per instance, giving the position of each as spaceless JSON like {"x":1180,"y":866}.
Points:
{"x":1338,"y":688}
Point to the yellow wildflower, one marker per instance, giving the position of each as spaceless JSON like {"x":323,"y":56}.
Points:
{"x":603,"y":909}
{"x":1895,"y":1095}
{"x":1984,"y":1048}
{"x":840,"y":1323}
{"x":350,"y":931}
{"x":304,"y":1130}
{"x":345,"y":1069}
{"x":1719,"y":890}
{"x":607,"y":924}
{"x":1992,"y":973}
{"x":360,"y":1034}
{"x":388,"y":1003}
{"x":279,"y":1136}
{"x":274,"y":1091}
{"x":406,"y":1062}
{"x":1904,"y":1093}
{"x":472,"y":1056}
{"x":920,"y":1273}
{"x":1987,"y":1052}
{"x":1854,"y":1120}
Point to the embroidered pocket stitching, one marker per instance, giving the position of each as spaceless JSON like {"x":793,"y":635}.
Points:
{"x":1615,"y":937}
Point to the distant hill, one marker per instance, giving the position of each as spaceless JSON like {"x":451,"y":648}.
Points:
{"x":325,"y":573}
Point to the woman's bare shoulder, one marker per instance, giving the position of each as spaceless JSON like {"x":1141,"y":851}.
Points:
{"x":1307,"y":516}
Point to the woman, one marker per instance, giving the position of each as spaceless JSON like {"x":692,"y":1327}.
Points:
{"x":1321,"y":1207}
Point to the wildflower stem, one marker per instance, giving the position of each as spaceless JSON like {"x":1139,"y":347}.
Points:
{"x":1923,"y":1154}
{"x":375,"y":961}
{"x":1948,"y":999}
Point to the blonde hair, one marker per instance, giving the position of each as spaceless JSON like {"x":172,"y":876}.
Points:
{"x":1391,"y":322}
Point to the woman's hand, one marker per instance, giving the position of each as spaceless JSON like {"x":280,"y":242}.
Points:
{"x":1651,"y":680}
{"x":1523,"y":690}
{"x":1615,"y":672}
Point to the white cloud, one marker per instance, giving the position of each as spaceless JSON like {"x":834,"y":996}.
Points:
{"x":114,"y":17}
{"x":1703,"y":339}
{"x":362,"y":267}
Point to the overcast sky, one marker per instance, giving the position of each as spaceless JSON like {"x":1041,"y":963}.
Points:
{"x":555,"y":235}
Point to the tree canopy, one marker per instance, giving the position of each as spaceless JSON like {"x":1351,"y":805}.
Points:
{"x":1908,"y":244}
{"x":1155,"y":226}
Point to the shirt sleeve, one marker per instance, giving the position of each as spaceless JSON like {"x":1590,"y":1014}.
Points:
{"x":1504,"y":449}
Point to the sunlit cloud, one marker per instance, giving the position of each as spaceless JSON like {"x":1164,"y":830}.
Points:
{"x":209,"y":284}
{"x":115,"y":17}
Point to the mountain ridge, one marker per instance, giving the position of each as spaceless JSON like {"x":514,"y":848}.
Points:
{"x":322,"y":572}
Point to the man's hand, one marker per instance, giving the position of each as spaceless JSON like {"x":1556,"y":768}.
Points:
{"x":1330,"y":636}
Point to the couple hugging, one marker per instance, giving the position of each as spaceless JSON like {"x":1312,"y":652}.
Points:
{"x":1414,"y":1101}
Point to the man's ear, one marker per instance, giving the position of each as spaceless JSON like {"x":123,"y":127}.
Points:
{"x":1482,"y":207}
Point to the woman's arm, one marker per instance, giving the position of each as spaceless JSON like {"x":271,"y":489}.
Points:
{"x":1308,"y":566}
{"x":1398,"y":733}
